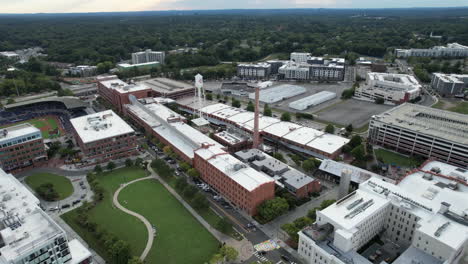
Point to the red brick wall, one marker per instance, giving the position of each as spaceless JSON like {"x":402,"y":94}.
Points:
{"x":17,"y":154}
{"x":235,"y":193}
{"x":309,"y":188}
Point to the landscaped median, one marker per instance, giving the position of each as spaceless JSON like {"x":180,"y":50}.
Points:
{"x":179,"y":237}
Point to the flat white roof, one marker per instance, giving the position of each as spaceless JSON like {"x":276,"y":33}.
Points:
{"x":241,"y":173}
{"x":263,"y":122}
{"x":21,"y":130}
{"x":78,"y":251}
{"x":128,"y":65}
{"x":98,"y":126}
{"x":328,"y":143}
{"x":358,"y":175}
{"x":122,"y":87}
{"x":278,"y":93}
{"x":303,"y":135}
{"x":282,"y":128}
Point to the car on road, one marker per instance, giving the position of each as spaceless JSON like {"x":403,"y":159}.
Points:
{"x":53,"y":209}
{"x":83,"y":187}
{"x":262,"y":252}
{"x":81,"y":183}
{"x":217,"y":197}
{"x":83,"y":196}
{"x":76,"y":202}
{"x":285,"y":258}
{"x":65,"y":206}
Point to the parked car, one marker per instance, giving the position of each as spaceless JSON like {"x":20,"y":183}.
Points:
{"x":65,"y":206}
{"x":76,"y":202}
{"x":286,"y":258}
{"x":52,"y":209}
{"x":83,"y":196}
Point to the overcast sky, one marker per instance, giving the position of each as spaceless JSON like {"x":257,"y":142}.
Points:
{"x":68,"y":6}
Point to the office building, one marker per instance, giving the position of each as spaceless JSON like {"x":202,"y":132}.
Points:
{"x":296,"y":182}
{"x":83,"y":71}
{"x":392,"y":88}
{"x":21,"y":147}
{"x":428,"y":224}
{"x":243,"y":186}
{"x":449,"y":84}
{"x":104,"y":136}
{"x":451,"y":50}
{"x":116,"y":92}
{"x":28,"y":234}
{"x":148,"y":56}
{"x":423,"y":131}
{"x":254,"y":71}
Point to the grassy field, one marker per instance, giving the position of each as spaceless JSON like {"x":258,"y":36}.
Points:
{"x":461,"y":108}
{"x":45,"y":124}
{"x":180,"y":237}
{"x":62,"y":185}
{"x":389,"y":157}
{"x":112,"y":220}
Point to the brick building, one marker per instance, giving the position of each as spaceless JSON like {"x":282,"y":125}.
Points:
{"x":21,"y":146}
{"x":116,"y":91}
{"x":104,"y":136}
{"x":245,"y":187}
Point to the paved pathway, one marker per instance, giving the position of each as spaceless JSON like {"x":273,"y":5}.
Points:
{"x":148,"y":225}
{"x":244,"y":247}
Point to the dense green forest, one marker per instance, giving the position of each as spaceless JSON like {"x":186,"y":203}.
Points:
{"x":230,"y":35}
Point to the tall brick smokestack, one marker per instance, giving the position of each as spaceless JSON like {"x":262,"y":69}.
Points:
{"x":256,"y":135}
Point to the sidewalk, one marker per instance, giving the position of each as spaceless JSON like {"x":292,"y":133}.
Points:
{"x":244,"y":247}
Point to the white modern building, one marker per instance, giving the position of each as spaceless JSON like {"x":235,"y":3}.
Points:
{"x":449,"y":84}
{"x":83,"y":70}
{"x":393,"y":88}
{"x":294,"y":71}
{"x":28,"y":234}
{"x":313,"y":100}
{"x":451,"y":50}
{"x":254,"y":71}
{"x":148,"y":56}
{"x":419,"y":130}
{"x":427,"y":224}
{"x":278,"y":93}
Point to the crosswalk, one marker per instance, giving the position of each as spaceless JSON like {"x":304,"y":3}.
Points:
{"x":260,"y":257}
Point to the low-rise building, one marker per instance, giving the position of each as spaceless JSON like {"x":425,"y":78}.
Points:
{"x":428,"y":224}
{"x":116,"y":92}
{"x":168,"y":88}
{"x":21,"y":147}
{"x":83,"y":71}
{"x":296,"y":182}
{"x":243,"y":186}
{"x":10,"y":55}
{"x":423,"y":131}
{"x":449,"y":84}
{"x":313,"y":100}
{"x":451,"y":50}
{"x":28,"y":234}
{"x":304,"y":67}
{"x":104,"y":136}
{"x":123,"y":67}
{"x":392,"y":88}
{"x":148,"y":56}
{"x":254,"y":71}
{"x":232,"y":141}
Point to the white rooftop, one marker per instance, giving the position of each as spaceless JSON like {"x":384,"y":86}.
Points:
{"x":98,"y":126}
{"x":25,"y":226}
{"x":21,"y":130}
{"x":241,"y":173}
{"x":121,"y":86}
{"x":278,"y":93}
{"x":358,"y":175}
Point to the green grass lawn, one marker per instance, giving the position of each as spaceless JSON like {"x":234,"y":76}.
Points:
{"x":461,"y":108}
{"x":112,"y":220}
{"x":62,"y":185}
{"x":389,"y":157}
{"x":180,"y":237}
{"x":39,"y":124}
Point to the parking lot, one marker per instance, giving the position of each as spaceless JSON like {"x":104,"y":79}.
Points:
{"x":352,"y":111}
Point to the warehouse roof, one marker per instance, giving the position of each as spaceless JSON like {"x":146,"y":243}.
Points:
{"x":102,"y":125}
{"x":166,"y":86}
{"x":70,"y":102}
{"x":312,"y":100}
{"x":241,"y":173}
{"x":279,"y":93}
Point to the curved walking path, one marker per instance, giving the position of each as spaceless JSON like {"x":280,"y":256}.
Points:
{"x":148,"y":225}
